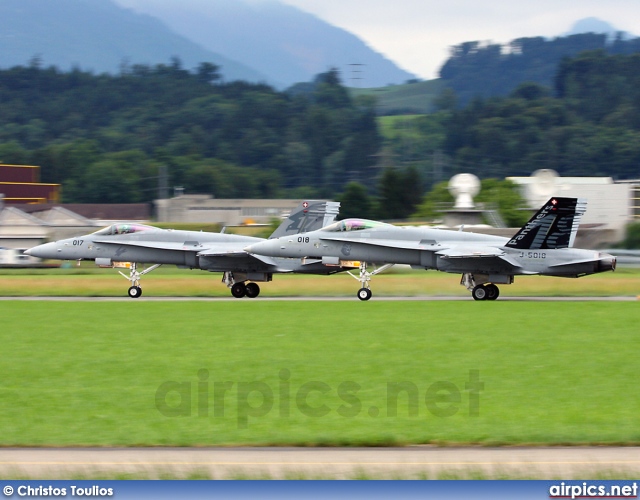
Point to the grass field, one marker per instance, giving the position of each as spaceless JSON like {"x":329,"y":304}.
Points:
{"x":408,"y":98}
{"x":169,"y":281}
{"x":316,"y":373}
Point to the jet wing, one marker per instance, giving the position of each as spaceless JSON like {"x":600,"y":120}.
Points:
{"x":217,"y":251}
{"x":444,"y":251}
{"x":407,"y":245}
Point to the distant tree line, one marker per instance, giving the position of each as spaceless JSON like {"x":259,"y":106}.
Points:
{"x":105,"y":137}
{"x":592,"y":127}
{"x":487,"y":70}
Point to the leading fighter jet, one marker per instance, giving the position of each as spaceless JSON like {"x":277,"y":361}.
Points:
{"x":127,"y":245}
{"x":542,"y":246}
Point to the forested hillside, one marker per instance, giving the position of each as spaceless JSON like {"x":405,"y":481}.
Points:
{"x":592,"y":128}
{"x":104,"y":137}
{"x":486,"y":70}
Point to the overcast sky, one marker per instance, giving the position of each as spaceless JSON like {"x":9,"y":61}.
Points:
{"x":417,"y":34}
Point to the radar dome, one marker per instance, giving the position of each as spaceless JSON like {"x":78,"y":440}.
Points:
{"x":464,"y":187}
{"x":544,"y":183}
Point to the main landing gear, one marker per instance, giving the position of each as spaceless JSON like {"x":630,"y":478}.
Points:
{"x":365,"y":277}
{"x":240,"y":289}
{"x":485,"y":292}
{"x":135,"y":290}
{"x":480,"y":288}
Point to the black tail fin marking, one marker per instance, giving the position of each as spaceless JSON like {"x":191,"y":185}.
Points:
{"x":555,"y":225}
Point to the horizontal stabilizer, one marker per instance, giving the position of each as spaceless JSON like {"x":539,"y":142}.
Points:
{"x":484,"y":253}
{"x":267,"y":260}
{"x":218,"y":253}
{"x":239,"y":254}
{"x":573,"y":262}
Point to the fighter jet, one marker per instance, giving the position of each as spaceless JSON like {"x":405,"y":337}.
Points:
{"x":126,"y":245}
{"x":543,"y":246}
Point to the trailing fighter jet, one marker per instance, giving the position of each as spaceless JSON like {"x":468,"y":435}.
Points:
{"x":127,"y":245}
{"x":542,"y":246}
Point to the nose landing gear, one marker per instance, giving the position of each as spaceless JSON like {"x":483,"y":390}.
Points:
{"x":365,"y":277}
{"x":135,"y":290}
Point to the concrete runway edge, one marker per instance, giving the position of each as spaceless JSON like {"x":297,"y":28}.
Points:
{"x":413,"y":462}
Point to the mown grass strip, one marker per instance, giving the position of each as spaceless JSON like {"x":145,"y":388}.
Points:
{"x":314,"y":373}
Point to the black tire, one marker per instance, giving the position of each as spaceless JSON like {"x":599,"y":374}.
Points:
{"x":253,"y":290}
{"x":135,"y":292}
{"x":364,"y":294}
{"x":239,"y":290}
{"x":493,"y":292}
{"x":479,"y":292}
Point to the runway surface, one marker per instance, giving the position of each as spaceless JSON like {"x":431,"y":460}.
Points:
{"x":324,"y":299}
{"x":423,"y":462}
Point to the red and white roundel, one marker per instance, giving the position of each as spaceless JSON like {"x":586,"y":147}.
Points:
{"x":305,"y":205}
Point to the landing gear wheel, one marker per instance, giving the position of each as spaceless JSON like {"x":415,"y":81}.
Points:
{"x":239,"y":290}
{"x":364,"y":294}
{"x":493,"y":292}
{"x":479,"y":292}
{"x":253,"y":290}
{"x":134,"y":278}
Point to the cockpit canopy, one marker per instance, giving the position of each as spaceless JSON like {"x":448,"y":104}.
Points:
{"x":353,"y":225}
{"x":124,"y":229}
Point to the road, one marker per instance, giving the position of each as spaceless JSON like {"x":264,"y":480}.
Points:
{"x":324,"y":463}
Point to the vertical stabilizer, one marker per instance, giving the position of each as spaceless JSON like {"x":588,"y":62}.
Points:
{"x":308,"y":216}
{"x":555,"y":225}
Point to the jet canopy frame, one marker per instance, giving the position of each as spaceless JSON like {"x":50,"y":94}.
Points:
{"x":118,"y":229}
{"x":353,"y":225}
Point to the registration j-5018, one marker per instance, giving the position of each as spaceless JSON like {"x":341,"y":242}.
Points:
{"x":532,"y":255}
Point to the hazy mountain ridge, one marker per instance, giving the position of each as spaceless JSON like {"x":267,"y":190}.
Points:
{"x":267,"y":42}
{"x":99,"y":36}
{"x":595,"y":25}
{"x":281,"y":41}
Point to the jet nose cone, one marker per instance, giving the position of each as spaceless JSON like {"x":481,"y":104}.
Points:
{"x":269,"y":248}
{"x":46,"y":251}
{"x":252,"y":248}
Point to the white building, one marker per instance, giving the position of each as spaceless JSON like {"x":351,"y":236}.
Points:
{"x":202,"y":208}
{"x":610,"y":205}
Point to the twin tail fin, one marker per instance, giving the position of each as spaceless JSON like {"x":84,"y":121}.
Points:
{"x":555,"y":225}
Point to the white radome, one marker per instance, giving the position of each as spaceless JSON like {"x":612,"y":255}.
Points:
{"x":464,"y":187}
